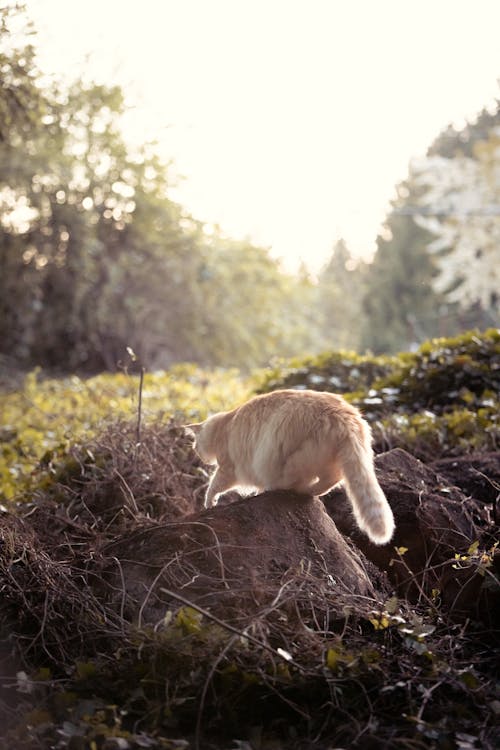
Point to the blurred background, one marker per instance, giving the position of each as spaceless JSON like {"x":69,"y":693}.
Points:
{"x":229,"y":182}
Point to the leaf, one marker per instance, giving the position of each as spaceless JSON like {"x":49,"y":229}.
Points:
{"x":189,"y":619}
{"x":473,"y":548}
{"x":131,"y":354}
{"x":24,"y":684}
{"x":380,"y":623}
{"x":418,"y":646}
{"x":332,"y":659}
{"x":391,"y":606}
{"x":39,"y":717}
{"x":85,"y":670}
{"x":43,"y":674}
{"x":469,"y":679}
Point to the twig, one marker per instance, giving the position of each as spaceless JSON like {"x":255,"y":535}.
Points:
{"x":496,"y":487}
{"x":427,"y":694}
{"x":123,"y":596}
{"x":205,"y":690}
{"x":139,"y":408}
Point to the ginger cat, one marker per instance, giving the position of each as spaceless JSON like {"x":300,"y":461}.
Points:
{"x":305,"y":441}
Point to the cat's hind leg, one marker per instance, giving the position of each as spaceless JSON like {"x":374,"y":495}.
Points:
{"x":308,"y":472}
{"x":297,"y":474}
{"x":326,"y":481}
{"x":221,"y":480}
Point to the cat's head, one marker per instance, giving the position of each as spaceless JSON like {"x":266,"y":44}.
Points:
{"x":202,"y":440}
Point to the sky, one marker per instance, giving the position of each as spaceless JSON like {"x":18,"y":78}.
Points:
{"x":289,"y":121}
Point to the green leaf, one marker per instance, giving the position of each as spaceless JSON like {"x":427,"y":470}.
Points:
{"x":392,"y":605}
{"x":473,"y":548}
{"x":332,"y":659}
{"x":189,"y":619}
{"x":85,"y":670}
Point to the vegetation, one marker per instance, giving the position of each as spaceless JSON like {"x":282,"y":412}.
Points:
{"x":101,"y":272}
{"x":45,"y":416}
{"x":308,"y":669}
{"x":440,"y":400}
{"x":95,"y":256}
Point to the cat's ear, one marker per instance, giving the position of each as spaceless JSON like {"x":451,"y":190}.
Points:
{"x":193,"y":429}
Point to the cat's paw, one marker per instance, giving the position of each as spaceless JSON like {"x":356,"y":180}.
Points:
{"x":210,"y":502}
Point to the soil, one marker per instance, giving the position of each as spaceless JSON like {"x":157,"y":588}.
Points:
{"x":477,"y":475}
{"x":435,"y":521}
{"x":235,"y":558}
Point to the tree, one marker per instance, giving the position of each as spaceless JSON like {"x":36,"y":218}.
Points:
{"x":253,"y":311}
{"x":20,"y":100}
{"x":96,"y":257}
{"x":461,"y":207}
{"x":434,"y":272}
{"x":451,"y":142}
{"x":340,"y":295}
{"x":400,"y":305}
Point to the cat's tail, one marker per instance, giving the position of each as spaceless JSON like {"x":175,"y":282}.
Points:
{"x":372,"y":512}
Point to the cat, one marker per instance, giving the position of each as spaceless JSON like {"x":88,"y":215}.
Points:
{"x":300,"y":440}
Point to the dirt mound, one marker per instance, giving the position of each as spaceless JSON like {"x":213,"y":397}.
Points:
{"x":477,"y":475}
{"x":131,"y":617}
{"x":239,"y":558}
{"x":435,"y":524}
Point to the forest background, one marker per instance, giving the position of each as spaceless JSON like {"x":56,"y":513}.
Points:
{"x":95,"y":257}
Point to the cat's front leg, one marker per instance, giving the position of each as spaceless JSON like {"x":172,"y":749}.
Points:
{"x":211,"y":498}
{"x":220,"y":482}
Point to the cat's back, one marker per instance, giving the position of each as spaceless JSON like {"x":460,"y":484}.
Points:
{"x":293,"y":399}
{"x":291,"y":409}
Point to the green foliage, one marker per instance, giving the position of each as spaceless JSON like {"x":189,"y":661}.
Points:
{"x":338,"y":372}
{"x":400,"y":307}
{"x":42,"y":419}
{"x":96,"y":257}
{"x":464,"y":370}
{"x":339,"y":299}
{"x":442,"y":399}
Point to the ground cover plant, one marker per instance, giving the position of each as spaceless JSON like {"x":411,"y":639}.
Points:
{"x":132,"y":618}
{"x":43,"y":416}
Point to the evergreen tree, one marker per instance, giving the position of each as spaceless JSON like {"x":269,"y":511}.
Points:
{"x":340,"y":294}
{"x":400,"y":306}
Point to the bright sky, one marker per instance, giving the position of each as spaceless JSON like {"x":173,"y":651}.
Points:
{"x":290,"y":120}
